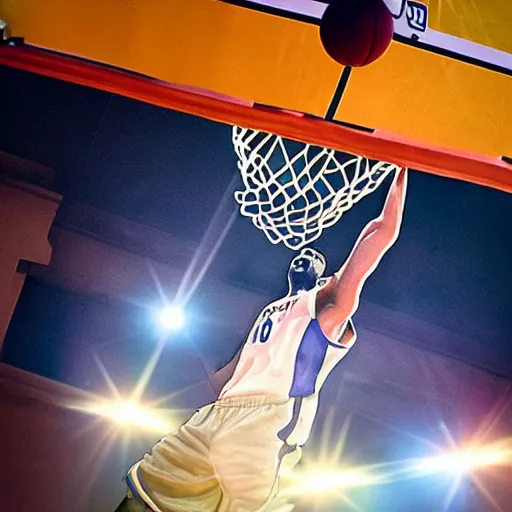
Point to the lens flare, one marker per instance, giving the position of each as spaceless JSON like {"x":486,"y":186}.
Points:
{"x":329,"y":481}
{"x":131,"y":415}
{"x":172,"y":318}
{"x":464,"y":461}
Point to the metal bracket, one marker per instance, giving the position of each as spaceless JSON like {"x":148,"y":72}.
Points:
{"x":5,"y":31}
{"x":6,"y":37}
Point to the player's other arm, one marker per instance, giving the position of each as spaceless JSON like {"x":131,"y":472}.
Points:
{"x":338,"y":301}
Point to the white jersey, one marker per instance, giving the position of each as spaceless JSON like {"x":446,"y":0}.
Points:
{"x":286,"y":354}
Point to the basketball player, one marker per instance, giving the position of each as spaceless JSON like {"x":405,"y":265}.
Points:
{"x":229,"y":455}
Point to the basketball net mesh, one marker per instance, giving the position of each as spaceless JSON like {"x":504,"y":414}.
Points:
{"x":293,"y":191}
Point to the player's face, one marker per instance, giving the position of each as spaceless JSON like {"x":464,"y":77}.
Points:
{"x":304,"y":271}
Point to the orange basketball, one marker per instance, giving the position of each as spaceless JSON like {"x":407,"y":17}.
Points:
{"x":356,"y":32}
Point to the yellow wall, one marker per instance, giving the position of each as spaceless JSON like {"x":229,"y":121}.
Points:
{"x":213,"y":45}
{"x":280,"y":62}
{"x":434,"y":99}
{"x":486,"y":22}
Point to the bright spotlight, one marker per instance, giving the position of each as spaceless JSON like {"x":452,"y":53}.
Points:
{"x":463,"y":461}
{"x":130,"y":414}
{"x":327,"y":482}
{"x":172,"y":318}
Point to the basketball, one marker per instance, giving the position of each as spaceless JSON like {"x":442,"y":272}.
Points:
{"x":356,"y":32}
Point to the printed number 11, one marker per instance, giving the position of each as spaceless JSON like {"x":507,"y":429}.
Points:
{"x":262,"y":332}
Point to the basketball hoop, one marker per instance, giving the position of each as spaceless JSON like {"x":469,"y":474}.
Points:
{"x":293,"y":191}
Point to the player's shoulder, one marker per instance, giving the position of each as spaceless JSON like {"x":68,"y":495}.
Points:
{"x":321,"y":282}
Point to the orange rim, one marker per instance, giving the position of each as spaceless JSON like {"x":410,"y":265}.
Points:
{"x":489,"y":172}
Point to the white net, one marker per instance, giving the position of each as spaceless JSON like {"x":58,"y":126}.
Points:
{"x":293,"y":191}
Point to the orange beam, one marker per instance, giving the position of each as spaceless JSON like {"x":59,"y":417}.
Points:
{"x":489,"y":172}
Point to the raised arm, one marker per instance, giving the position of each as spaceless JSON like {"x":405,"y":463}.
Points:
{"x":338,"y":301}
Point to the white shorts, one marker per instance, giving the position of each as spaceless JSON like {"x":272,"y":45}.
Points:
{"x":226,"y":458}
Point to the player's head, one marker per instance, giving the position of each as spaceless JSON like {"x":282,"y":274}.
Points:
{"x":305,"y":270}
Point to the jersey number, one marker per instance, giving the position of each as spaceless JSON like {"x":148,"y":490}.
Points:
{"x":262,"y":333}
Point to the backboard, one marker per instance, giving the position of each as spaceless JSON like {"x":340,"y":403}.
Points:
{"x":444,"y":84}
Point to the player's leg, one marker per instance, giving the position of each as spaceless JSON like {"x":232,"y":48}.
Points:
{"x":247,"y":453}
{"x":177,"y":475}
